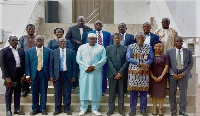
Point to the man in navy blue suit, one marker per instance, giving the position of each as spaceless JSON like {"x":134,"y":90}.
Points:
{"x":37,"y":69}
{"x":150,"y":37}
{"x":63,"y":63}
{"x":12,"y":66}
{"x":126,"y":40}
{"x":103,"y":38}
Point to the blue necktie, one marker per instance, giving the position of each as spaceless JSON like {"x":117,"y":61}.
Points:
{"x":61,"y":60}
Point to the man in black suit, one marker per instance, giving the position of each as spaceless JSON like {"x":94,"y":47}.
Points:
{"x":77,"y":36}
{"x":117,"y":66}
{"x":63,"y":63}
{"x":126,"y":40}
{"x":150,"y":37}
{"x":13,"y":61}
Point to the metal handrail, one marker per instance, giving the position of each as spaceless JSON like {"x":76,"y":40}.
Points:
{"x":31,"y":16}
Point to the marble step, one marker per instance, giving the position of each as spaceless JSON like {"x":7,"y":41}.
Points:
{"x":91,"y":114}
{"x":50,"y":90}
{"x":75,"y":99}
{"x":75,"y":107}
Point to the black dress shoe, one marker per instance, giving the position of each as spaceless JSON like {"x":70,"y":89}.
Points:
{"x":122,"y":113}
{"x":132,"y":113}
{"x":109,"y":113}
{"x":103,"y":94}
{"x":144,"y":113}
{"x":68,"y":112}
{"x":25,"y":93}
{"x":173,"y":114}
{"x":183,"y":113}
{"x":8,"y":113}
{"x":19,"y":112}
{"x":56,"y":112}
{"x":34,"y":112}
{"x":44,"y":112}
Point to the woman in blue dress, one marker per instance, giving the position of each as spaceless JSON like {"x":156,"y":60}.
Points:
{"x":53,"y":44}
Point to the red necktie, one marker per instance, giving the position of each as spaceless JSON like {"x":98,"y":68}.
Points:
{"x":99,"y":38}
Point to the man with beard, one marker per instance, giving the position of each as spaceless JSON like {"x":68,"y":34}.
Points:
{"x":26,"y":42}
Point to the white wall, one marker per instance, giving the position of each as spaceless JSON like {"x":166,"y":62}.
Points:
{"x":65,"y":10}
{"x":185,"y":14}
{"x":131,"y":11}
{"x":15,"y":16}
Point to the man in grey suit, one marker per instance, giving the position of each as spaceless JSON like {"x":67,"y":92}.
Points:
{"x":117,"y":66}
{"x":181,"y":63}
{"x":63,"y":63}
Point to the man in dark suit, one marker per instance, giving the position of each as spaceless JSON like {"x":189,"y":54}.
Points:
{"x":63,"y":61}
{"x":117,"y":65}
{"x":12,"y":67}
{"x":150,"y":37}
{"x":37,"y":72}
{"x":181,"y":63}
{"x":126,"y":40}
{"x":103,"y":38}
{"x":77,"y":36}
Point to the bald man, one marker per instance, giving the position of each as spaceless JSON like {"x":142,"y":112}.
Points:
{"x":37,"y":72}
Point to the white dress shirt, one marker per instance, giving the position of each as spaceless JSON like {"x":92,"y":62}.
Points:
{"x":81,"y":32}
{"x":181,"y":52}
{"x":101,"y":34}
{"x":42,"y":53}
{"x":123,"y":36}
{"x":147,"y":39}
{"x":64,"y":59}
{"x":16,"y":55}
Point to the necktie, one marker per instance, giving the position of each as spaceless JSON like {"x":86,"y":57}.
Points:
{"x":39,"y":66}
{"x":61,"y":60}
{"x":99,"y":38}
{"x":179,"y":60}
{"x":122,"y":40}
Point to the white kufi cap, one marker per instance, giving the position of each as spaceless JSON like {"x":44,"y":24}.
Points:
{"x":92,"y":35}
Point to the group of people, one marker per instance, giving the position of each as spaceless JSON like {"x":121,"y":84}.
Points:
{"x":86,"y":58}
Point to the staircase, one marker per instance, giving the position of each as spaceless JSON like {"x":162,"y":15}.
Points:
{"x":75,"y":106}
{"x":46,"y":30}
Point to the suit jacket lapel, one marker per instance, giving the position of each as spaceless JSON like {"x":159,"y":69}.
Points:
{"x":174,"y":57}
{"x":78,"y":31}
{"x":67,"y":54}
{"x":184,"y":55}
{"x":10,"y":52}
{"x":125,"y":37}
{"x":44,"y":54}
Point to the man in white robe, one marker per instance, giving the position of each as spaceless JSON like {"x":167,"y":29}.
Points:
{"x":90,"y":57}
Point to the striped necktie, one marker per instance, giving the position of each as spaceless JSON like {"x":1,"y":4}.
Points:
{"x":99,"y":38}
